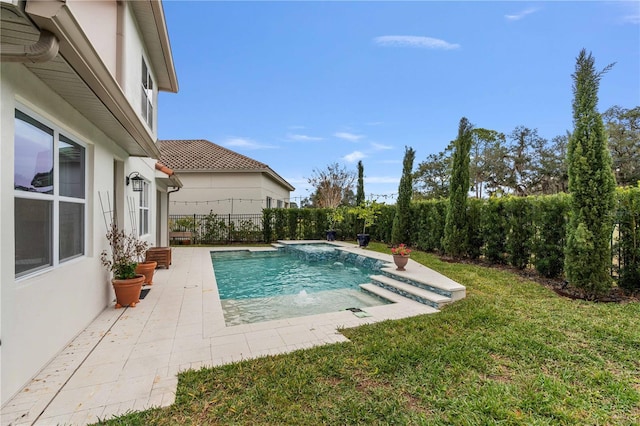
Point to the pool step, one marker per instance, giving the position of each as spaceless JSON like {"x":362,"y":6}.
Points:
{"x":409,"y":291}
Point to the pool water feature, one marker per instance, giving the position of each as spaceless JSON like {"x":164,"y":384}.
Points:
{"x":296,"y":280}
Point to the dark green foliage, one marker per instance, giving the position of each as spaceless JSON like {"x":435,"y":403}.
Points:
{"x":401,"y":231}
{"x":430,"y":218}
{"x":520,"y":236}
{"x":474,"y":227}
{"x":629,"y":238}
{"x":321,"y":223}
{"x":456,"y":239}
{"x":550,"y":216}
{"x":591,"y":184}
{"x":360,"y":190}
{"x":292,"y":224}
{"x":280,"y":225}
{"x":494,"y":229}
{"x":267,"y":221}
{"x":381,"y":230}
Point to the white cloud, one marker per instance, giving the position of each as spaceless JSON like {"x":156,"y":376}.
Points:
{"x":631,"y":19}
{"x":245,"y":143}
{"x":415,"y":41}
{"x":303,"y":138}
{"x":380,"y":147}
{"x":520,"y":15}
{"x":348,"y":136}
{"x":354,"y":156}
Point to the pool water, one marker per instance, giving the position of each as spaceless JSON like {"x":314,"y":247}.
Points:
{"x":305,"y":280}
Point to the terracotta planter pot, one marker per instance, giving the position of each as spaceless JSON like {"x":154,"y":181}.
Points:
{"x":400,"y":261}
{"x":147,"y":268}
{"x":128,"y":291}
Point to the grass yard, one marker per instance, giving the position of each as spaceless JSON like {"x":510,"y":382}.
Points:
{"x":512,"y":352}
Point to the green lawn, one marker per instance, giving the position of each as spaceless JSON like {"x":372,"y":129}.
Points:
{"x":512,"y":352}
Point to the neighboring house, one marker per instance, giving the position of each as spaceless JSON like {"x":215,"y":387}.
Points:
{"x":218,"y":180}
{"x":79,"y":90}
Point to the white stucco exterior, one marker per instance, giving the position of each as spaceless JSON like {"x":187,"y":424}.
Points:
{"x":227,"y":193}
{"x":42,"y":311}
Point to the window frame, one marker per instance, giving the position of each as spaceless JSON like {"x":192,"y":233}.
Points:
{"x":55,"y":199}
{"x":144,"y":210}
{"x":147,"y":93}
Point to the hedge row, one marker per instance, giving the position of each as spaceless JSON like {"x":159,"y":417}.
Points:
{"x":519,"y":231}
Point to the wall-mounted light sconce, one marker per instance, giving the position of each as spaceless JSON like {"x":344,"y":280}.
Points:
{"x":136,"y":181}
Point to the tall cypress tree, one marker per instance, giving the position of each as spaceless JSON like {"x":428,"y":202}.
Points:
{"x":455,"y":230}
{"x":591,"y":185}
{"x":401,"y":229}
{"x":360,"y":190}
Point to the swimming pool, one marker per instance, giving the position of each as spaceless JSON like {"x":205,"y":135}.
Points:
{"x":298,"y":280}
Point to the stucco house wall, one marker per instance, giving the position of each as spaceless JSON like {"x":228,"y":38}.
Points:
{"x":220,"y":181}
{"x":226,"y":193}
{"x":43,"y":309}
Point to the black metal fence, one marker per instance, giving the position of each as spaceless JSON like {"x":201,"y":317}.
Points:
{"x":215,"y":228}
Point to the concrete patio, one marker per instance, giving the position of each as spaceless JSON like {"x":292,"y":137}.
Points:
{"x":128,"y":359}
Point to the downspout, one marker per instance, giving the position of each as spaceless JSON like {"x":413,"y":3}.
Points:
{"x":44,"y":50}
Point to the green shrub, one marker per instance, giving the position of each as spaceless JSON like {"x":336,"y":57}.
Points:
{"x":628,"y":237}
{"x":267,"y":220}
{"x":494,"y":230}
{"x":280,"y":223}
{"x":474,"y":227}
{"x":292,"y":223}
{"x":519,"y":211}
{"x":550,"y":216}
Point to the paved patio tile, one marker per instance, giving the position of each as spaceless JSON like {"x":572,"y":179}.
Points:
{"x":129,"y":359}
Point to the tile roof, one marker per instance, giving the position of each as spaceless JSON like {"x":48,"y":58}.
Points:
{"x":200,"y":155}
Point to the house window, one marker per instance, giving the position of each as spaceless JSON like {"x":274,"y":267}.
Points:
{"x":280,"y":203}
{"x":147,"y":95}
{"x":49,"y":196}
{"x":144,"y":209}
{"x":269,"y":202}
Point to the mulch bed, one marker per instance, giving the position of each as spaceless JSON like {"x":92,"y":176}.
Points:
{"x":558,"y":285}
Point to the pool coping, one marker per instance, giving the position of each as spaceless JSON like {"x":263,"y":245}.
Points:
{"x":128,"y":359}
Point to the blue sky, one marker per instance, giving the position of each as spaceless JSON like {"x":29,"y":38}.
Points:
{"x":301,"y":85}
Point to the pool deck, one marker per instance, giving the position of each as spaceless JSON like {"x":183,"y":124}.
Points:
{"x":128,"y":359}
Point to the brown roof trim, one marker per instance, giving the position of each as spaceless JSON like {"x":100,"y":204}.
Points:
{"x":164,"y":169}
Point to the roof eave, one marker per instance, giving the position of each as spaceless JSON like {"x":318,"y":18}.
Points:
{"x":158,"y":43}
{"x":79,"y":53}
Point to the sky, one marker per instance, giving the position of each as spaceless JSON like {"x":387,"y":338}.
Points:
{"x":301,"y":85}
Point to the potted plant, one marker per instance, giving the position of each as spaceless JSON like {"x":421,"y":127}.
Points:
{"x":334,"y":216}
{"x":121,"y":260}
{"x":400,"y":256}
{"x":367,"y":211}
{"x":146,"y":268}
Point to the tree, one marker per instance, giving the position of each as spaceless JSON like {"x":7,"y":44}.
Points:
{"x":360,"y":191}
{"x":591,"y":185}
{"x":623,"y":126}
{"x":432,"y":175}
{"x":332,"y":185}
{"x":455,"y":229}
{"x":401,"y":229}
{"x":524,"y":160}
{"x":487,"y":167}
{"x":552,"y":168}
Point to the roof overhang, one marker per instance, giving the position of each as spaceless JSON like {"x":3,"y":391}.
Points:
{"x":150,"y":16}
{"x":79,"y":75}
{"x":166,"y":176}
